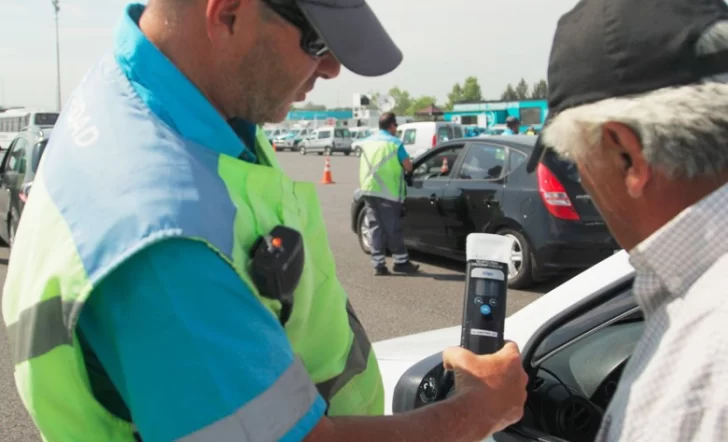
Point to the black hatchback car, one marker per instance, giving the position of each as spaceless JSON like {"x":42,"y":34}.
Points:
{"x":17,"y":171}
{"x":480,"y":184}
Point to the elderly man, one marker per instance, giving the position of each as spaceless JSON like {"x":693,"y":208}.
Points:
{"x":169,"y":282}
{"x":638,"y":100}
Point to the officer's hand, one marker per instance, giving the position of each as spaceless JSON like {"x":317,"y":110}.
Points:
{"x":496,"y":383}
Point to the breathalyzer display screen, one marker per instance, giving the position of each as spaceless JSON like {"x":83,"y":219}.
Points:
{"x":486,"y":287}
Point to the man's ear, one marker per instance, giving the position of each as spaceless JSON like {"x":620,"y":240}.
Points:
{"x":225,"y":15}
{"x":623,"y":145}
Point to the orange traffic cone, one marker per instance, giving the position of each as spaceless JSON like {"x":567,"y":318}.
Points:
{"x":274,"y":147}
{"x":327,"y":179}
{"x":445,"y":168}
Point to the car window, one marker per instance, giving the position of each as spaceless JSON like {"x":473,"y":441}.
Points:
{"x":437,"y":165}
{"x":515,"y":159}
{"x":36,"y":154}
{"x":621,"y":301}
{"x":483,"y":162}
{"x":324,"y":134}
{"x":410,"y":135}
{"x":6,"y":156}
{"x":444,"y":133}
{"x":457,"y":131}
{"x":342,"y":133}
{"x":46,"y":119}
{"x":17,"y":160}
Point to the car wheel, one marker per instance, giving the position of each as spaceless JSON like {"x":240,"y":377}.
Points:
{"x":363,"y":231}
{"x":347,"y":153}
{"x":357,"y":151}
{"x":520,"y":274}
{"x":302,"y":150}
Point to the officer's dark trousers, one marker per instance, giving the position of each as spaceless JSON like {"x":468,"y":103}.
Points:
{"x":384,"y":221}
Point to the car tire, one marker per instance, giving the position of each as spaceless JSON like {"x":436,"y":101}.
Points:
{"x":302,"y":150}
{"x":357,"y":151}
{"x":362,"y":232}
{"x":522,"y":276}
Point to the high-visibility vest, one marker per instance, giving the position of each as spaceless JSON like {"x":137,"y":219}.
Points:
{"x":380,"y":172}
{"x":113,"y":180}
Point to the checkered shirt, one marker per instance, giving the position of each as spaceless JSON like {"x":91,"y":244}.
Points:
{"x":675,"y":386}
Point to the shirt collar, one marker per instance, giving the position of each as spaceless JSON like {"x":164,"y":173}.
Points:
{"x":670,"y":260}
{"x":172,"y":97}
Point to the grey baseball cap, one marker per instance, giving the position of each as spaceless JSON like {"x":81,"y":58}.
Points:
{"x":354,"y":35}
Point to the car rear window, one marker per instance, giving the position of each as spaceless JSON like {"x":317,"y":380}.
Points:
{"x":444,"y":133}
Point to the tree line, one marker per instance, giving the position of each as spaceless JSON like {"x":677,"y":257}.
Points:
{"x":468,"y":90}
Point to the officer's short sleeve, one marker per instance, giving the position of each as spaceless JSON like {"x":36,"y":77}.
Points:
{"x":402,"y":153}
{"x":194,"y":354}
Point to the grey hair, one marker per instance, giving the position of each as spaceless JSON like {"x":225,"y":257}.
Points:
{"x":683,"y":130}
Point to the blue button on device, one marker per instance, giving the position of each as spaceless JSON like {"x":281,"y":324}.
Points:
{"x":485,"y":309}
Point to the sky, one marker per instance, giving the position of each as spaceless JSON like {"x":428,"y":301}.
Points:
{"x":443,"y":42}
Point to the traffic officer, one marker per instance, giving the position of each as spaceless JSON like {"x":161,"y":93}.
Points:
{"x":382,"y":165}
{"x":142,"y":296}
{"x":513,"y":126}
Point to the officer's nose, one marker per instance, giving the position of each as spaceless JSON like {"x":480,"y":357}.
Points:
{"x":329,"y":67}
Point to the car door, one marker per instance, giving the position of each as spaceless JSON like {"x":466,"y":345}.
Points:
{"x":11,"y":179}
{"x":423,"y":225}
{"x":475,"y":196}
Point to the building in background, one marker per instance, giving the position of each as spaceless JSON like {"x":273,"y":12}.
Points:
{"x":493,"y":113}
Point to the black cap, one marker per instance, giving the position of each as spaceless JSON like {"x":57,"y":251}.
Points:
{"x":354,"y":34}
{"x":611,"y":48}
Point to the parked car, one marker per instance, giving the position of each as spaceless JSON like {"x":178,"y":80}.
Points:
{"x":327,"y":140}
{"x":575,"y":342}
{"x":17,"y":171}
{"x":420,"y":136}
{"x":360,"y":134}
{"x":292,"y":139}
{"x":275,"y":133}
{"x":481,"y":185}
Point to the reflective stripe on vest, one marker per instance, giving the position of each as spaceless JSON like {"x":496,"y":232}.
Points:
{"x":75,"y":232}
{"x":380,"y":173}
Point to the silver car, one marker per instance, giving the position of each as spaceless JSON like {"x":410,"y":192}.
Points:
{"x":327,"y":140}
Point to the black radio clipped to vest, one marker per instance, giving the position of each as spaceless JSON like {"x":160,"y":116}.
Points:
{"x":277,"y":265}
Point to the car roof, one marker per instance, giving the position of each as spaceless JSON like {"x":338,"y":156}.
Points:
{"x":42,"y":132}
{"x":523,"y":142}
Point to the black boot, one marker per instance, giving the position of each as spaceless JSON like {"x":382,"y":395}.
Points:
{"x":381,"y":270}
{"x":406,"y":267}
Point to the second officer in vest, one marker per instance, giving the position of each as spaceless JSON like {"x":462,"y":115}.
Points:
{"x":381,"y":181}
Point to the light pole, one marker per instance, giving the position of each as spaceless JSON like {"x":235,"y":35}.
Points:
{"x":57,"y":9}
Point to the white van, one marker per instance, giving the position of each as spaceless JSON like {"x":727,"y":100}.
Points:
{"x":418,"y":137}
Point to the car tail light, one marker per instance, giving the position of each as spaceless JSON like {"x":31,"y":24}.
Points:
{"x":434,"y":140}
{"x":554,"y":195}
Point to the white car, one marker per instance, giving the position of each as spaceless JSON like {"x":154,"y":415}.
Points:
{"x":575,"y":341}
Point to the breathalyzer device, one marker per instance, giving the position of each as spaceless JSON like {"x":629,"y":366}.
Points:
{"x":486,"y":289}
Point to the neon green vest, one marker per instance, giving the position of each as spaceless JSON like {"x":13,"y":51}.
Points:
{"x":56,"y":261}
{"x":380,"y":172}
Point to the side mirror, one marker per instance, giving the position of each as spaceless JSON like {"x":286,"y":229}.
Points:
{"x":25,"y":191}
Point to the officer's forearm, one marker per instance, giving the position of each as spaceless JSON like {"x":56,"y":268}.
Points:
{"x":457,"y":419}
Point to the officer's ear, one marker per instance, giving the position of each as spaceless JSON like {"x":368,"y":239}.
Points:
{"x":230,"y":18}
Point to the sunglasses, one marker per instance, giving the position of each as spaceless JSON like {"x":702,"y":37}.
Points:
{"x":311,"y":41}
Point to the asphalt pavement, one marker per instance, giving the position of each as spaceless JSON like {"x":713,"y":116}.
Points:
{"x":388,"y":306}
